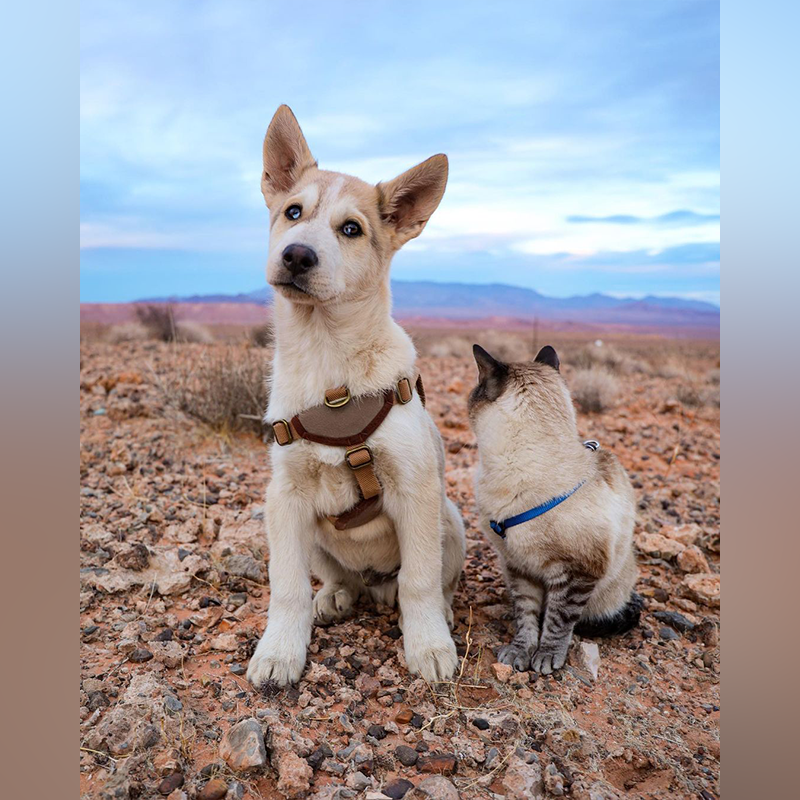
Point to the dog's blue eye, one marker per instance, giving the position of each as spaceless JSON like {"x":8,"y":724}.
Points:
{"x":293,"y":212}
{"x":351,"y":229}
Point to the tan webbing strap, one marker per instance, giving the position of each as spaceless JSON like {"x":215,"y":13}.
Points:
{"x":404,"y":393}
{"x":336,"y":397}
{"x":359,"y":459}
{"x":421,"y":390}
{"x":284,"y":431}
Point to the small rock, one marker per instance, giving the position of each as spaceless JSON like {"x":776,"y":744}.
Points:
{"x":658,"y":546}
{"x":242,"y":746}
{"x":687,"y":535}
{"x":398,"y":788}
{"x":244,"y":566}
{"x":170,"y":783}
{"x":359,"y":781}
{"x":139,"y":656}
{"x":692,"y":560}
{"x":667,"y":634}
{"x":215,"y":789}
{"x":404,"y":716}
{"x":135,"y":556}
{"x":406,"y":755}
{"x":226,"y":642}
{"x":238,"y":669}
{"x":704,"y":588}
{"x":553,"y":781}
{"x":674,"y":620}
{"x":377,"y":731}
{"x":589,"y":657}
{"x":97,"y":700}
{"x":438,"y":763}
{"x":502,"y":672}
{"x":435,"y":788}
{"x":294,"y":774}
{"x":522,"y":780}
{"x":481,"y":724}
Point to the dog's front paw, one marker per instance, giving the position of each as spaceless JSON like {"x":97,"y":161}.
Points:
{"x":515,"y":655}
{"x":550,"y":660}
{"x":433,"y":660}
{"x":331,"y":604}
{"x":271,"y":663}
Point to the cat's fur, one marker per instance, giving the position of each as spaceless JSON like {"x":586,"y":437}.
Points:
{"x":573,"y":568}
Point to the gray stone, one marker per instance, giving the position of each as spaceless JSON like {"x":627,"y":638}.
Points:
{"x":242,"y":747}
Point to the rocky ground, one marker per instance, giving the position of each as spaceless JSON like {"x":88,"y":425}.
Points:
{"x":174,"y":594}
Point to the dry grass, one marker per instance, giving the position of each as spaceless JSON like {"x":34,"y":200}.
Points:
{"x":160,"y":324}
{"x":127,"y":332}
{"x":594,"y":389}
{"x":224,"y":387}
{"x":609,"y":358}
{"x":262,"y":335}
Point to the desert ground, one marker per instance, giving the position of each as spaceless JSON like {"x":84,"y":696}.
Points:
{"x":174,"y":593}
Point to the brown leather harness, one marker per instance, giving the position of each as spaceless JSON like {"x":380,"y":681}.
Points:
{"x":346,"y":421}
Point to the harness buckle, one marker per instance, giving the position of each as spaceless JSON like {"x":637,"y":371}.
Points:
{"x":340,"y":401}
{"x":403,"y":391}
{"x":359,"y":462}
{"x":498,"y":527}
{"x":287,"y":432}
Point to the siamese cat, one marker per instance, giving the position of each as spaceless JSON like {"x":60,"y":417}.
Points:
{"x":559,"y":511}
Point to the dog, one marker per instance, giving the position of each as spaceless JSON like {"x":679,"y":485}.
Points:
{"x":559,"y":511}
{"x":332,"y":238}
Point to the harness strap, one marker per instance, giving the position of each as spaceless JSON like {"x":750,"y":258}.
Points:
{"x":338,"y":423}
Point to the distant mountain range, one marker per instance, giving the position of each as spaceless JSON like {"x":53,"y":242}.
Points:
{"x":463,"y":301}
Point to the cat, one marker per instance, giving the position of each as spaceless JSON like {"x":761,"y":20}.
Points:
{"x":559,"y":511}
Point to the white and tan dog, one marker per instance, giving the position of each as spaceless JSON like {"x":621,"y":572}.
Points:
{"x":332,"y":238}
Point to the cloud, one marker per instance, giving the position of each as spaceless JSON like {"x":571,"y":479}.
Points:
{"x":675,"y":218}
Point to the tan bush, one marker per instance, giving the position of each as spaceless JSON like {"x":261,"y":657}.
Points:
{"x":262,"y":335}
{"x":159,"y":320}
{"x":188,"y":331}
{"x":712,"y":376}
{"x":224,"y":387}
{"x":127,"y":332}
{"x":608,"y":358}
{"x":594,"y":389}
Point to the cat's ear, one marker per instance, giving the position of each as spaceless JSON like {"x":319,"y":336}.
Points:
{"x":492,"y":373}
{"x":547,"y":355}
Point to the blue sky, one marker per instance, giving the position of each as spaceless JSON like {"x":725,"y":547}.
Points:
{"x":583,"y":137}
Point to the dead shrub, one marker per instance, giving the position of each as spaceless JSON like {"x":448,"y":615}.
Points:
{"x":127,"y":332}
{"x":608,"y":358}
{"x":262,"y":335}
{"x":712,"y":376}
{"x":188,"y":331}
{"x":594,"y":389}
{"x":223,"y":387}
{"x":158,"y":320}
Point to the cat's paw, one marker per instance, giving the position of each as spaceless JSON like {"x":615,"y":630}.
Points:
{"x":549,"y":660}
{"x":515,"y":655}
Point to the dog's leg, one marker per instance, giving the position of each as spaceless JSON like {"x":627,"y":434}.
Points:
{"x":454,"y":553}
{"x":281,"y":653}
{"x":338,"y":594}
{"x":429,"y":648}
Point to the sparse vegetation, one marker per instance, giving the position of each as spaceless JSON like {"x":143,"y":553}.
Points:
{"x":607,"y":357}
{"x":127,"y":332}
{"x":160,"y":324}
{"x":262,"y":335}
{"x":594,"y":389}
{"x":223,"y":387}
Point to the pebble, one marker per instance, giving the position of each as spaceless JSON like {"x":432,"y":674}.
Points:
{"x":674,"y":620}
{"x":170,"y":783}
{"x":242,"y":746}
{"x":215,"y":789}
{"x":404,"y":716}
{"x":406,"y":755}
{"x":481,"y":724}
{"x":502,"y":672}
{"x":667,"y":634}
{"x":377,"y":731}
{"x":140,"y":655}
{"x":436,"y":788}
{"x":398,"y":788}
{"x":439,"y":763}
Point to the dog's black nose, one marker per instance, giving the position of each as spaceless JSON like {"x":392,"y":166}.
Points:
{"x":298,"y":258}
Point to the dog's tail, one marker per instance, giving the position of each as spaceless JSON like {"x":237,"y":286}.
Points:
{"x":619,"y":622}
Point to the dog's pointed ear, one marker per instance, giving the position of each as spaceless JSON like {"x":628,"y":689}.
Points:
{"x":547,"y":355}
{"x":407,"y":201}
{"x":286,"y":154}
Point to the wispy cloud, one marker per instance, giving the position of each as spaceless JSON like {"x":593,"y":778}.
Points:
{"x":583,"y":138}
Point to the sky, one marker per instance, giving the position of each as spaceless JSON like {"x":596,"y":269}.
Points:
{"x":583,"y":137}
